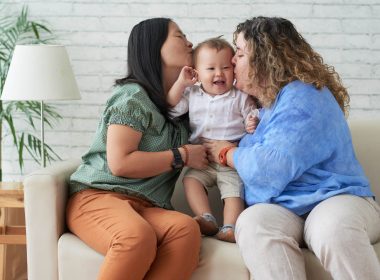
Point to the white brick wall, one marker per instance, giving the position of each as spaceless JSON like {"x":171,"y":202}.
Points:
{"x":345,"y":32}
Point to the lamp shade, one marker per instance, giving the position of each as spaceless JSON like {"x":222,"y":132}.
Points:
{"x":40,"y":72}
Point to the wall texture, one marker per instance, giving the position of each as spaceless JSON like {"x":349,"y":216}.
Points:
{"x":345,"y":32}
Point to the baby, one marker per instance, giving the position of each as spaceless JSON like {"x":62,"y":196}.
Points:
{"x":217,"y":111}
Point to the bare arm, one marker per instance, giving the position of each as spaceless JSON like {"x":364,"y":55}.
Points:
{"x":125,"y":160}
{"x":187,"y":77}
{"x":175,"y":93}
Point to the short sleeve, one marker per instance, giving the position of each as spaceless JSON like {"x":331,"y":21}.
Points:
{"x":130,"y":111}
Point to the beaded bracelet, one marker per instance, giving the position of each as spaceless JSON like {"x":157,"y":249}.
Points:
{"x":186,"y":153}
{"x":223,"y":155}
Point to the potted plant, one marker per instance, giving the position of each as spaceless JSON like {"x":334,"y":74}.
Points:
{"x":21,"y":30}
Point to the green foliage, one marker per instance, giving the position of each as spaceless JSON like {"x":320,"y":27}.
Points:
{"x":21,"y":30}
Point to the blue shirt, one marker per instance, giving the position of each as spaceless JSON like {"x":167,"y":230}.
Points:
{"x":301,"y":152}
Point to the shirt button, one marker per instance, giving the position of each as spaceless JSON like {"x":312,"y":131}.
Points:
{"x":210,"y":116}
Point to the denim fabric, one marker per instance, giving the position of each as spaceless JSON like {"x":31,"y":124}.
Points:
{"x":301,"y":152}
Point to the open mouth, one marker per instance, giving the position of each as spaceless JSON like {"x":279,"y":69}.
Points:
{"x":219,"y":83}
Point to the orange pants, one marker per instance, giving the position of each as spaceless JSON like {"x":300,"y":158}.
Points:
{"x":139,"y":241}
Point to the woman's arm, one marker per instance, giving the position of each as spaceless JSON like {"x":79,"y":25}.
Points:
{"x":125,"y":160}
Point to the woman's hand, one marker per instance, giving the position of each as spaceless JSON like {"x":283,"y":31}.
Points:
{"x":213,"y":148}
{"x":197,"y":156}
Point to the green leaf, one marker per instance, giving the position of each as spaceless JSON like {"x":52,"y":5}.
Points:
{"x":20,"y":151}
{"x":42,"y":27}
{"x":19,"y":29}
{"x":35,"y":31}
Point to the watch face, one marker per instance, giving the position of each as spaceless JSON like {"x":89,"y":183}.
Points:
{"x":177,"y":162}
{"x":176,"y":165}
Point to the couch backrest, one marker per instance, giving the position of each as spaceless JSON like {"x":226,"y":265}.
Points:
{"x":366,"y":140}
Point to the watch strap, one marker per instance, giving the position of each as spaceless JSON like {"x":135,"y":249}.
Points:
{"x":177,"y":161}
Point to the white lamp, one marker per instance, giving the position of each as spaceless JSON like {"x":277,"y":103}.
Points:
{"x":40,"y":72}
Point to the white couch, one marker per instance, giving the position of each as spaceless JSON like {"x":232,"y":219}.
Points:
{"x":54,"y":253}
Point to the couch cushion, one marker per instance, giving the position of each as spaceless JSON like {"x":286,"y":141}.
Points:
{"x":218,"y":260}
{"x":77,"y":261}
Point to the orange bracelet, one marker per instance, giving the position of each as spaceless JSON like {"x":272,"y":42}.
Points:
{"x":223,"y":155}
{"x":187,"y":154}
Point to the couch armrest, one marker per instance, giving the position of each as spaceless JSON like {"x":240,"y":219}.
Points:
{"x":45,"y":192}
{"x":366,"y":138}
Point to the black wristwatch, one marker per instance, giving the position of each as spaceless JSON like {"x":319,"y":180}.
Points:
{"x":177,"y":162}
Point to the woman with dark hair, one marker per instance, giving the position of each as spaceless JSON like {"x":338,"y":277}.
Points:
{"x":120,"y":194}
{"x":303,"y":183}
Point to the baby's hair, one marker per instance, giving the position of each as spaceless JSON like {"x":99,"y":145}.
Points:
{"x":216,"y":43}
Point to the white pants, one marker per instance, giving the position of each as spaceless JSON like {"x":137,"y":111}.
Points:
{"x":339,"y":230}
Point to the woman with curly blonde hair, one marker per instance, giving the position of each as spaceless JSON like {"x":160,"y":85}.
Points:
{"x":303,"y":183}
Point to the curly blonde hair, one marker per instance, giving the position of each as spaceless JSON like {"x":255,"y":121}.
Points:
{"x":279,"y":55}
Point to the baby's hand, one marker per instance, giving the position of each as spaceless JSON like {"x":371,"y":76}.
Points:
{"x":252,"y":121}
{"x":188,"y":76}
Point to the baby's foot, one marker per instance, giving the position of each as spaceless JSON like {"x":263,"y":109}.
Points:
{"x":227,"y":233}
{"x":207,"y":224}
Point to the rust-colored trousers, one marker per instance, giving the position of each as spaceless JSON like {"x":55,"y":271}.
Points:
{"x":139,"y":241}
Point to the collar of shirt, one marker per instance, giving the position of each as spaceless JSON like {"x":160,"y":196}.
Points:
{"x":200,"y":91}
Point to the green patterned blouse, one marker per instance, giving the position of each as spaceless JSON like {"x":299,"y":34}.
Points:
{"x":131,"y":106}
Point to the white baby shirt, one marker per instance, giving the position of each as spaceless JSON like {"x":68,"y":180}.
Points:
{"x":219,"y":117}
